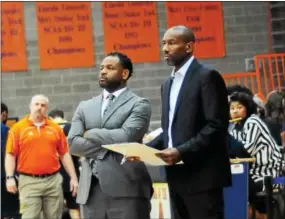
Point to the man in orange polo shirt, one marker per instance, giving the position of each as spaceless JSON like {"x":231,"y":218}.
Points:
{"x":36,"y":143}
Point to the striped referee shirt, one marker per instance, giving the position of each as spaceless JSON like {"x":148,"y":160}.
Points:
{"x":259,"y":143}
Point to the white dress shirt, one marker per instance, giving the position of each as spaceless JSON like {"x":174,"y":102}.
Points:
{"x":106,"y":100}
{"x":178,"y":78}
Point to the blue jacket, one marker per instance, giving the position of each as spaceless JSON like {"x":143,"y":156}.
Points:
{"x":4,"y":135}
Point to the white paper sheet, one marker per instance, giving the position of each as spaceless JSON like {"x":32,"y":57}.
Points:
{"x":145,"y":153}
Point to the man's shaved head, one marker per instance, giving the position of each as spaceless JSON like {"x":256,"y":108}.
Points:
{"x":178,"y":45}
{"x":185,"y":32}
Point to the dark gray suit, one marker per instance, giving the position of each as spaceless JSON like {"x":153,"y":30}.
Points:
{"x":127,"y":120}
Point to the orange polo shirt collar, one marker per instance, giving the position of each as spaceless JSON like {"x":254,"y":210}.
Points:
{"x":30,"y":122}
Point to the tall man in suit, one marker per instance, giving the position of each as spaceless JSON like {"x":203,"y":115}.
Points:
{"x":108,"y":187}
{"x":195,"y":116}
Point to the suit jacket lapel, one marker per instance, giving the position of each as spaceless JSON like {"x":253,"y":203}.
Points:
{"x":119,"y":101}
{"x":97,"y":101}
{"x":186,"y":83}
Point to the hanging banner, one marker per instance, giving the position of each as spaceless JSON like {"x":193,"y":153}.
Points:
{"x":206,"y":21}
{"x":65,"y":34}
{"x":131,"y":28}
{"x":160,"y":202}
{"x":13,"y":45}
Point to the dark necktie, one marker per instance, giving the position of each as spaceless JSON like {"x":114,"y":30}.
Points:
{"x":94,"y":162}
{"x":110,"y":98}
{"x":171,"y":80}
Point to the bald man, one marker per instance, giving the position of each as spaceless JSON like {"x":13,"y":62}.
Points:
{"x":36,"y":143}
{"x":195,"y":116}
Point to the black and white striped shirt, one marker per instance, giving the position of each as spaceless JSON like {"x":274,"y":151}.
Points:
{"x":259,"y":143}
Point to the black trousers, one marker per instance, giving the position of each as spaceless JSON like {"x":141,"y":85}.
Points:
{"x":101,"y":206}
{"x":203,"y":205}
{"x":253,"y":189}
{"x":10,"y":204}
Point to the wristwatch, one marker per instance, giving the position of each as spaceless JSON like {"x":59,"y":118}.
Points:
{"x":10,"y":177}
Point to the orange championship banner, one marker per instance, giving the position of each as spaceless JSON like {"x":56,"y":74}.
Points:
{"x":13,"y":45}
{"x":131,"y":28}
{"x":65,"y":34}
{"x":206,"y":21}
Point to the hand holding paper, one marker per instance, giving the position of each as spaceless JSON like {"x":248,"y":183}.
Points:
{"x":151,"y":156}
{"x":169,"y":155}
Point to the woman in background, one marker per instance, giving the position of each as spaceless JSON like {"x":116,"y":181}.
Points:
{"x":257,"y":140}
{"x":275,"y":114}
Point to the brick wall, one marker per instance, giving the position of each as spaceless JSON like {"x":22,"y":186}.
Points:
{"x":246,"y":33}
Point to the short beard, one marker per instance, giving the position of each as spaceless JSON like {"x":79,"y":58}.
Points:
{"x":111,"y":86}
{"x":170,"y":63}
{"x":178,"y":63}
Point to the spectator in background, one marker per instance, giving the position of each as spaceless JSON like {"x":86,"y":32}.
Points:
{"x":260,"y":107}
{"x":4,"y":113}
{"x":57,"y":116}
{"x":236,"y":147}
{"x":275,"y":114}
{"x":32,"y":140}
{"x":4,"y":128}
{"x":257,"y":140}
{"x":283,"y":126}
{"x":9,"y":202}
{"x":256,"y":98}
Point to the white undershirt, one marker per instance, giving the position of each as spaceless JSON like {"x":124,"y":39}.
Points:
{"x":106,"y":100}
{"x":178,"y":78}
{"x":39,"y":124}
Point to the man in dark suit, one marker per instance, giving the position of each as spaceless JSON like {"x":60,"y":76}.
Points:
{"x":108,"y":187}
{"x":195,"y":116}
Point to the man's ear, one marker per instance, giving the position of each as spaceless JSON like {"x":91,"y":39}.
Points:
{"x":190,"y":47}
{"x":125,"y":74}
